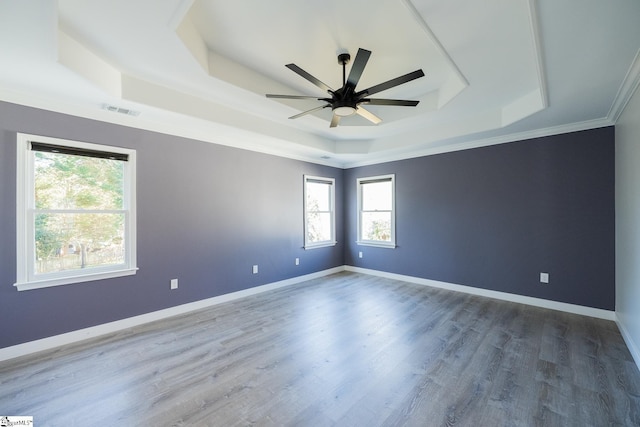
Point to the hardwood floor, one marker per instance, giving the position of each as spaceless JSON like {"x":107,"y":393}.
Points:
{"x":345,"y":350}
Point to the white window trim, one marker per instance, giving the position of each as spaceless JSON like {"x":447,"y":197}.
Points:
{"x":332,"y":201}
{"x":25,"y":277}
{"x":360,"y":181}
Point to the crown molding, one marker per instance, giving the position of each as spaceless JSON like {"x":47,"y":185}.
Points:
{"x":196,"y":129}
{"x":97,"y":113}
{"x":478,"y":143}
{"x":626,"y":90}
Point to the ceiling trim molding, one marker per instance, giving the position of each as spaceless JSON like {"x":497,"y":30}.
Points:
{"x":425,"y":27}
{"x":479,"y":143}
{"x":537,"y":48}
{"x":214,"y":133}
{"x":627,"y":88}
{"x":29,"y":100}
{"x":84,"y":62}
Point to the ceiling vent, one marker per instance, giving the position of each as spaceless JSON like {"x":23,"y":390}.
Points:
{"x":121,"y":110}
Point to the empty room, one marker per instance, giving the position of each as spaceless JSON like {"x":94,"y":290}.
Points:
{"x":336,"y":213}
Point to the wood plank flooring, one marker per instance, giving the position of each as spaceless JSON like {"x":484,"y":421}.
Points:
{"x":345,"y":350}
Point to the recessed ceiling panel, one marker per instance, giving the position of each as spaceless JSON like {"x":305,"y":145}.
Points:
{"x":250,"y":36}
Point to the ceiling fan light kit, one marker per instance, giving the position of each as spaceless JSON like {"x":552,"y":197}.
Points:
{"x":346,"y":101}
{"x":344,"y":111}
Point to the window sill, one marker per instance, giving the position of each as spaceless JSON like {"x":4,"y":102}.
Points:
{"x":388,"y":245}
{"x":320,"y":245}
{"x":38,"y":284}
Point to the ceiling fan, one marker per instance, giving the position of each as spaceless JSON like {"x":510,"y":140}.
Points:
{"x":346,"y":101}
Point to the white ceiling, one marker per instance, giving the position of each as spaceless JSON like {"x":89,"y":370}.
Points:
{"x":496,"y":70}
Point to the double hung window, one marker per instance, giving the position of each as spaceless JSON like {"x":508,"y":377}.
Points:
{"x":376,"y":211}
{"x":319,"y":212}
{"x":75,"y":212}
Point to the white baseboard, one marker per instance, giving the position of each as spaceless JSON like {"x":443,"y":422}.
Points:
{"x":628,"y":339}
{"x":537,"y":302}
{"x":119,"y":325}
{"x":48,"y":343}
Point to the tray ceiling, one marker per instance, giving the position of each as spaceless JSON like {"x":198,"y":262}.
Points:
{"x":495,"y":71}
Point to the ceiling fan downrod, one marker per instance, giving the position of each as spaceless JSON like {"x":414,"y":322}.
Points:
{"x":343,"y":59}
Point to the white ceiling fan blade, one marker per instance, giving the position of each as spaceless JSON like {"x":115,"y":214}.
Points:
{"x":368,"y":115}
{"x":304,"y":113}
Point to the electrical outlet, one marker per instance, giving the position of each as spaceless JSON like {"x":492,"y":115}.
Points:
{"x":360,"y":254}
{"x":174,"y":283}
{"x":255,"y":269}
{"x":544,"y":277}
{"x":297,"y":261}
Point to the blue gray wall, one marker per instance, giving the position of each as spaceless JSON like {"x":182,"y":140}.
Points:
{"x":492,"y":217}
{"x":206,"y":214}
{"x":495,"y":217}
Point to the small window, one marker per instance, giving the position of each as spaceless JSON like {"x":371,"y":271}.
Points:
{"x":376,"y":211}
{"x":319,"y":212}
{"x":75,"y":212}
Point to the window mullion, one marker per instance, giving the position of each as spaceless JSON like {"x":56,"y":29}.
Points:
{"x":80,"y":211}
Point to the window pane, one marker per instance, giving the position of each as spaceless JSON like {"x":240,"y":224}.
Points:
{"x":376,"y":226}
{"x":64,"y":181}
{"x":72,"y":241}
{"x":377,"y":196}
{"x":318,"y":227}
{"x":318,"y":196}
